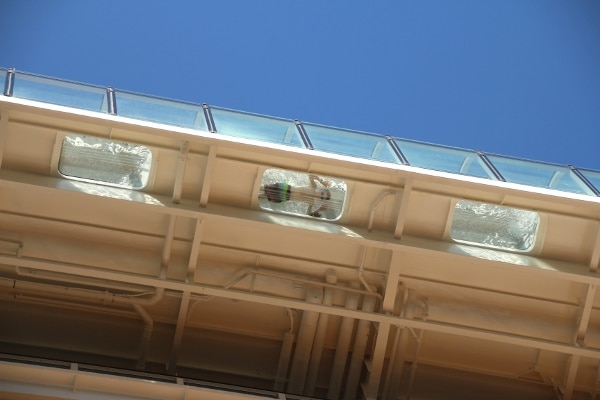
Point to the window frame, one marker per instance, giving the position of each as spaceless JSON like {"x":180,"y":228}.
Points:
{"x":56,"y":154}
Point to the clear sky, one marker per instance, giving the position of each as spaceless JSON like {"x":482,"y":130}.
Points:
{"x":512,"y":77}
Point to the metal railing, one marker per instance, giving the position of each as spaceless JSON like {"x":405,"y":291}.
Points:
{"x":377,"y":147}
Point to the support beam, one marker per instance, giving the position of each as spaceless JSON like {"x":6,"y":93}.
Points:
{"x":181,"y":320}
{"x":194,"y":288}
{"x":341,"y":351}
{"x":320,"y":335}
{"x":571,"y":374}
{"x":207,"y":175}
{"x":304,"y":343}
{"x":401,"y":219}
{"x":371,"y":387}
{"x":195,"y":251}
{"x":595,"y":259}
{"x":391,"y":283}
{"x":180,"y":171}
{"x":586,"y":312}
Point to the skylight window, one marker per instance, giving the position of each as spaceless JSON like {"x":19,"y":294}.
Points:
{"x":494,"y":226}
{"x":300,"y":193}
{"x":105,"y":161}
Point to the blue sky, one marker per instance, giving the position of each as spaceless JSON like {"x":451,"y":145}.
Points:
{"x":512,"y":77}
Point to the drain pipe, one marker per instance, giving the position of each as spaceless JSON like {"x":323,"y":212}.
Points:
{"x":304,"y":344}
{"x":145,"y":342}
{"x":358,"y":353}
{"x":343,"y":344}
{"x":361,"y":269}
{"x":315,"y":357}
{"x":285,"y":354}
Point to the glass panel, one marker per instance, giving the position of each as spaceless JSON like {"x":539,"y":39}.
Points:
{"x":302,"y":194}
{"x":351,"y":143}
{"x":58,"y":92}
{"x":539,"y":174}
{"x":592,"y":176}
{"x":445,"y":159}
{"x":257,"y":127}
{"x":105,"y":161}
{"x":494,"y":226}
{"x":164,"y":111}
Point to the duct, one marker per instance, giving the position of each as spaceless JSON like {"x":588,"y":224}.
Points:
{"x":304,"y":343}
{"x":343,"y":344}
{"x":315,"y":357}
{"x":96,"y":295}
{"x":145,"y":342}
{"x":358,"y":353}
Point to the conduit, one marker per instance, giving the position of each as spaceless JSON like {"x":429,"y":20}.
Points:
{"x":315,"y":357}
{"x":304,"y":343}
{"x":343,"y":344}
{"x":145,"y":342}
{"x":358,"y":353}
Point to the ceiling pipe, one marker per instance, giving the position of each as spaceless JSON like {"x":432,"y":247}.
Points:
{"x":285,"y":354}
{"x":358,"y":353}
{"x":343,"y":345}
{"x":319,"y":343}
{"x":361,"y":269}
{"x":304,"y":343}
{"x":145,"y":342}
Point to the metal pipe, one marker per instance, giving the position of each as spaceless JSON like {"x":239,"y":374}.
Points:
{"x":304,"y":343}
{"x":319,"y":343}
{"x":111,"y":101}
{"x":210,"y":122}
{"x":145,"y":342}
{"x":303,"y":135}
{"x":397,"y":150}
{"x":341,"y":350}
{"x":358,"y":353}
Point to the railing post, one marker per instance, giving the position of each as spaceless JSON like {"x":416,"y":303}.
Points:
{"x":584,"y":180}
{"x":491,"y":166}
{"x":303,"y":135}
{"x":397,"y":150}
{"x":210,"y":122}
{"x":111,"y":100}
{"x":9,"y":82}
